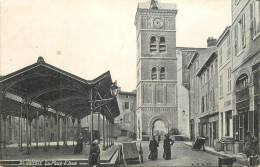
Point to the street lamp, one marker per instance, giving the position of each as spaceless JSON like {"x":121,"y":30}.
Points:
{"x":114,"y":89}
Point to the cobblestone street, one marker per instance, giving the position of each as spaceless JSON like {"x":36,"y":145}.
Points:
{"x":182,"y":155}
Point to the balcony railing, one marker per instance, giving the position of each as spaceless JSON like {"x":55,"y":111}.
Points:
{"x":242,"y":100}
{"x":242,"y":95}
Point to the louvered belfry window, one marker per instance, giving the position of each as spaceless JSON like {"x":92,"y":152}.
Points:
{"x":153,"y":45}
{"x":162,"y":46}
{"x":162,"y":73}
{"x":154,"y":73}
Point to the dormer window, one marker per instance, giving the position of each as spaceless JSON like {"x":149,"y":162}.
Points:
{"x":153,"y":46}
{"x":162,"y":73}
{"x":154,"y":73}
{"x":162,"y":47}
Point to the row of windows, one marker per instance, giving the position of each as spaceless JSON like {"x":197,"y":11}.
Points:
{"x":158,"y":75}
{"x":228,"y":51}
{"x":155,"y":46}
{"x":221,"y":89}
{"x":208,"y":101}
{"x":209,"y":73}
{"x":240,"y":31}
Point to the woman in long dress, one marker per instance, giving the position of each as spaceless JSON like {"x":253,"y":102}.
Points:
{"x":167,"y":143}
{"x":153,"y":149}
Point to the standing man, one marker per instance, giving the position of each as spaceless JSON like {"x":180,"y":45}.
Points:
{"x":153,"y":149}
{"x":167,"y":147}
{"x":94,"y":154}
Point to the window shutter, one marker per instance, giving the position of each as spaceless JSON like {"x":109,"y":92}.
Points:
{"x":252,"y":20}
{"x":243,"y":31}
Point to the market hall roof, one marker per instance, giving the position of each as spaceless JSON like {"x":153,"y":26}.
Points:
{"x":50,"y":89}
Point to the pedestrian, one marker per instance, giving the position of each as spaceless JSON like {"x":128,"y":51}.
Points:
{"x":153,"y":149}
{"x":167,"y":147}
{"x":250,"y":143}
{"x":79,"y":146}
{"x":94,"y":154}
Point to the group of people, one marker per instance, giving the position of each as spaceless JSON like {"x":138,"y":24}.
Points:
{"x":154,"y":144}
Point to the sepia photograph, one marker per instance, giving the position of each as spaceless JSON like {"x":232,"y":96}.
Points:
{"x":130,"y":83}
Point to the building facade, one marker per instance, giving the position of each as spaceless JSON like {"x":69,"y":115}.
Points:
{"x":186,"y":113}
{"x":225,"y":84}
{"x":245,"y":32}
{"x":156,"y":67}
{"x":203,"y":92}
{"x":208,"y":95}
{"x":127,"y":118}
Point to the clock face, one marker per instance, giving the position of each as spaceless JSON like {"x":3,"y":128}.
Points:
{"x":158,"y":23}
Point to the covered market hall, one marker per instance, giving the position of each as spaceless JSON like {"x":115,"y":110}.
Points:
{"x":43,"y":91}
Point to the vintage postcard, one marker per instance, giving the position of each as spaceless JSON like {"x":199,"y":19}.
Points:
{"x":129,"y":82}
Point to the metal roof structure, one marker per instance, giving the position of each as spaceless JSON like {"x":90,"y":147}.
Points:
{"x":50,"y":90}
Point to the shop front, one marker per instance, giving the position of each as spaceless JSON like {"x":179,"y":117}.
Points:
{"x":208,"y":128}
{"x":204,"y":128}
{"x":213,"y":128}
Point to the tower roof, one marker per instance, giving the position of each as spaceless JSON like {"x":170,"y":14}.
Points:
{"x":167,"y":6}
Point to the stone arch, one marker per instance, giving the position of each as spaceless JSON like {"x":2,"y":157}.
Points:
{"x":159,"y":117}
{"x":241,"y":72}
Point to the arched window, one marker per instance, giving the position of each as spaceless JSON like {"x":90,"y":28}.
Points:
{"x":162,"y":47}
{"x":242,"y":82}
{"x":153,"y":46}
{"x":162,"y":73}
{"x":154,"y":73}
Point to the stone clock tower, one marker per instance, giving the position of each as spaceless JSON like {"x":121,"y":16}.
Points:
{"x":156,"y":67}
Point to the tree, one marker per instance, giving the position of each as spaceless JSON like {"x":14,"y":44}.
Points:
{"x":174,"y":131}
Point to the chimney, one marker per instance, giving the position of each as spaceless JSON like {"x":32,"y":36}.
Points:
{"x":211,"y":41}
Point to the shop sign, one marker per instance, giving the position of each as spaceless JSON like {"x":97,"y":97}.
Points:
{"x":227,"y":103}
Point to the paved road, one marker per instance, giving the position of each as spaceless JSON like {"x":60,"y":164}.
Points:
{"x":182,"y":155}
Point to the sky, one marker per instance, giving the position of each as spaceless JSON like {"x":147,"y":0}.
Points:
{"x":90,"y":37}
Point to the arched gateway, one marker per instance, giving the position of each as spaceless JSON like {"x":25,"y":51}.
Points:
{"x":161,"y":119}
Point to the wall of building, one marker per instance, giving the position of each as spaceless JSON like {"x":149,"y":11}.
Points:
{"x":127,"y":118}
{"x":245,"y":51}
{"x":182,"y":96}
